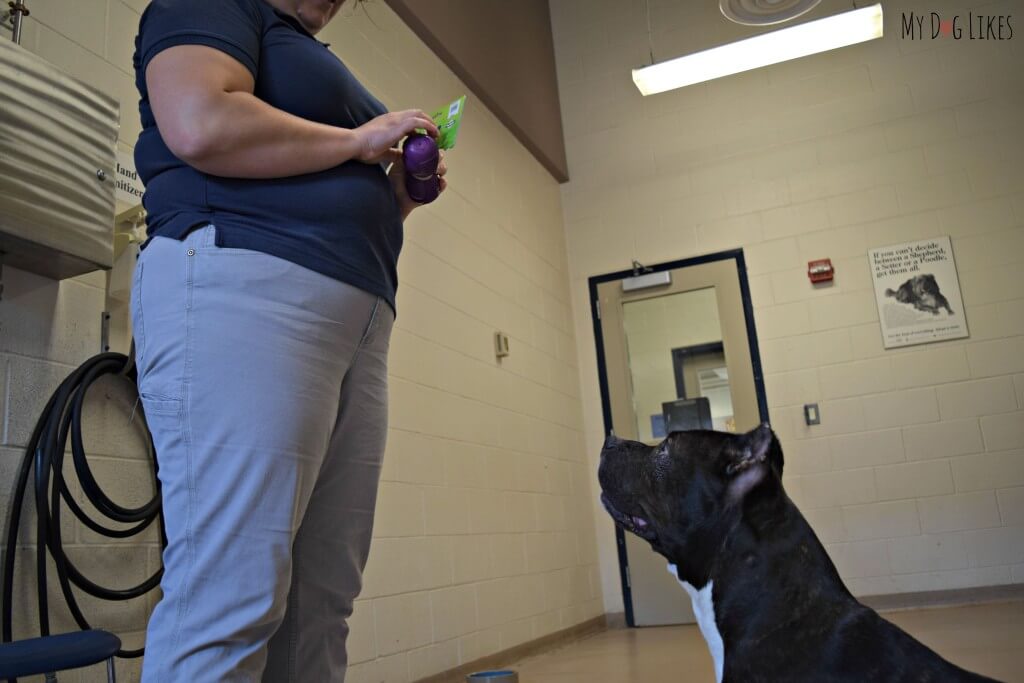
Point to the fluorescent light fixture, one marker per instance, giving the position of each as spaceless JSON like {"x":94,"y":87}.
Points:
{"x":812,"y":37}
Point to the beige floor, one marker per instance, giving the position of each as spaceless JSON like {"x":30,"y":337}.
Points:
{"x":988,"y":639}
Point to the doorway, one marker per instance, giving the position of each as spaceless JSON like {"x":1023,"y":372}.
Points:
{"x":676,"y":350}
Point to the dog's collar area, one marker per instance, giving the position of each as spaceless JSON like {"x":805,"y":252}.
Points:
{"x":704,"y":611}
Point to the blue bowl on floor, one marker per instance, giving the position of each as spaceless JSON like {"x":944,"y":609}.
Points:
{"x":504,"y":676}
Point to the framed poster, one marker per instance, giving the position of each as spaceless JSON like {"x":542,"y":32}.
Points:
{"x":918,"y":292}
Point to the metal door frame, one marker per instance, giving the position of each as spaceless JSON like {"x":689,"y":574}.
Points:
{"x":602,"y":373}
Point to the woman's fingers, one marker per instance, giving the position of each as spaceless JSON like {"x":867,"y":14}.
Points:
{"x":379,"y":137}
{"x":442,"y":166}
{"x":428,"y":123}
{"x":415,"y":118}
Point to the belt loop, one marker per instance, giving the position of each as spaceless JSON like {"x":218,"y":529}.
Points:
{"x":209,"y":235}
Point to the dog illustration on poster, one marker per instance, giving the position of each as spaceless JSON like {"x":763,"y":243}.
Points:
{"x":922,"y":292}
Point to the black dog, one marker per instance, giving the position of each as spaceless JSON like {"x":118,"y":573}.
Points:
{"x":768,"y":599}
{"x":921,"y":292}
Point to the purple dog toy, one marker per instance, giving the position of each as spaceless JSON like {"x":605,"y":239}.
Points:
{"x":421,"y":157}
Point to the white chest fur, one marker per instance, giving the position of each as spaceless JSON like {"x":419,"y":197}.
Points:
{"x":704,"y":610}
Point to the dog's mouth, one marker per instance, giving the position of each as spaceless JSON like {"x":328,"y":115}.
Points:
{"x":635,"y":524}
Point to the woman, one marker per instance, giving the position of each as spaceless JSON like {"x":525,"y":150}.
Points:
{"x":262,"y":307}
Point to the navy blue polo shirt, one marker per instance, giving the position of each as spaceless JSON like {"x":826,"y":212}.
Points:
{"x":344,"y":222}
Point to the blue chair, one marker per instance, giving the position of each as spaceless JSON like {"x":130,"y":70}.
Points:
{"x":503,"y":676}
{"x":58,"y":653}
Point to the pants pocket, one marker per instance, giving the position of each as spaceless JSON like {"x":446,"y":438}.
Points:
{"x":160,"y":291}
{"x":138,"y":328}
{"x":155,"y":404}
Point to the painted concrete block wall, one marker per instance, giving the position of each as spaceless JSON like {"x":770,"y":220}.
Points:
{"x":484,"y":536}
{"x":914,"y":478}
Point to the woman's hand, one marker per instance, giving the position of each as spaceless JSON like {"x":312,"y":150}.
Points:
{"x":397,"y":177}
{"x":378,"y":138}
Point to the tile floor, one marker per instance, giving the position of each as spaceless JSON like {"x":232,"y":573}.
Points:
{"x":988,"y":639}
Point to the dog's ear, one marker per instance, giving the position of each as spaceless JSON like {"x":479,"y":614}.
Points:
{"x":775,"y":457}
{"x":753,"y":457}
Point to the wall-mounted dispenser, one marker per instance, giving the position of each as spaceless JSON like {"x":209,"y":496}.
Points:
{"x":57,"y":169}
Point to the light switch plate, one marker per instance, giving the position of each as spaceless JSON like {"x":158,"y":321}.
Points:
{"x":811,"y":414}
{"x":501,"y":345}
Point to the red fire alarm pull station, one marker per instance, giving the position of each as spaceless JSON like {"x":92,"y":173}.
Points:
{"x":820,"y":270}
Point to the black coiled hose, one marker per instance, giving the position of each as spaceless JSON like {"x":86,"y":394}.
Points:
{"x":44,"y":456}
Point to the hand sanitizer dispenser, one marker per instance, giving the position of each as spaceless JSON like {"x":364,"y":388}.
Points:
{"x":57,"y":168}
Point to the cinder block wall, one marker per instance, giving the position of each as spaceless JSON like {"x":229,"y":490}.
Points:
{"x":485,"y":536}
{"x":915,"y":478}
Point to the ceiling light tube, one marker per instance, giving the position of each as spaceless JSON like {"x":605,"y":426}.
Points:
{"x":812,"y":37}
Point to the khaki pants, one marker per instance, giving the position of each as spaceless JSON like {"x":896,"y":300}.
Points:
{"x":264,"y":385}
